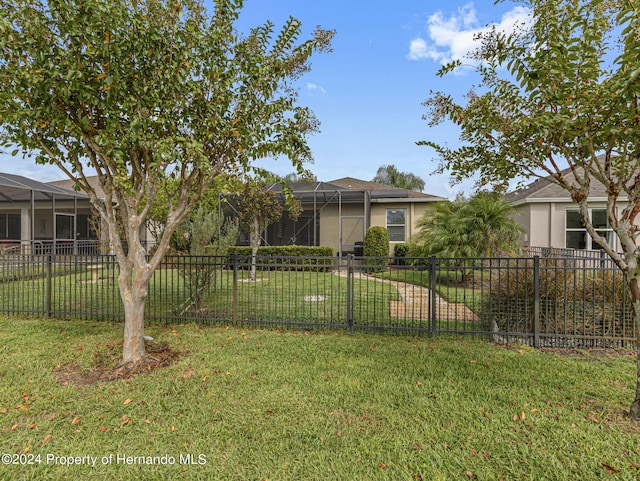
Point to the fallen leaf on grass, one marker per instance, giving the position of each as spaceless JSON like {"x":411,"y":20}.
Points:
{"x":470,"y":474}
{"x":28,"y":448}
{"x":382,"y":465}
{"x":127,"y":401}
{"x":103,"y":428}
{"x":609,"y":469}
{"x":47,"y":438}
{"x":75,"y":421}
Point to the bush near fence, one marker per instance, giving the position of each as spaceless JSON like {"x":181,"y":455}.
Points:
{"x":573,"y":300}
{"x":376,"y":249}
{"x":317,"y":258}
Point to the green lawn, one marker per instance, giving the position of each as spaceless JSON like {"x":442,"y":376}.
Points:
{"x":257,"y":404}
{"x":276,"y":296}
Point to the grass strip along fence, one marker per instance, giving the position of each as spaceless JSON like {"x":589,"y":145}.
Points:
{"x":558,"y":302}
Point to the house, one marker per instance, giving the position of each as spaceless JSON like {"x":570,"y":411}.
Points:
{"x":39,"y":217}
{"x":550,"y":218}
{"x":338,"y":214}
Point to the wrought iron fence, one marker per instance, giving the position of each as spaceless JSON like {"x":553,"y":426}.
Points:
{"x":560,"y":302}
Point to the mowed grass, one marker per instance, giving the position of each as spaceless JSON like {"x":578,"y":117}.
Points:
{"x":258,"y":404}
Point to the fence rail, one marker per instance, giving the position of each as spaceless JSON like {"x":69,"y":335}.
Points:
{"x":559,"y":302}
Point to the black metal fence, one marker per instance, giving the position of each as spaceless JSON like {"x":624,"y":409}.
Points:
{"x":559,"y":302}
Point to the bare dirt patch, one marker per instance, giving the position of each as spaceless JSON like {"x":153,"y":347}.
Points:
{"x":159,"y":355}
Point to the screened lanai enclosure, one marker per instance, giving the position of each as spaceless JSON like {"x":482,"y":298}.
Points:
{"x":332,"y":215}
{"x":38,"y":218}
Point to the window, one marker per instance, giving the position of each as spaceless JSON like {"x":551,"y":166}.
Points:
{"x":10,"y":226}
{"x":576,"y":234}
{"x":396,"y":224}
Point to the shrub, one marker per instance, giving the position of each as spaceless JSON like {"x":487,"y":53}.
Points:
{"x":400,"y":251}
{"x":574,"y":300}
{"x":376,"y":249}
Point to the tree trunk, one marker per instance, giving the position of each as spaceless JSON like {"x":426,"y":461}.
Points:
{"x":133,"y":290}
{"x":254,"y":240}
{"x":634,"y":410}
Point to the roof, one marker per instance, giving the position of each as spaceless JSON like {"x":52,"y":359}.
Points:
{"x":324,"y":192}
{"x":350,"y":189}
{"x":378,"y":190}
{"x":544,"y":189}
{"x":70,"y":185}
{"x":16,"y":188}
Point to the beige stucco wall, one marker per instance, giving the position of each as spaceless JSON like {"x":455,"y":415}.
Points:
{"x":414,"y":211}
{"x":355,"y":222}
{"x":545,"y":223}
{"x":353,"y":226}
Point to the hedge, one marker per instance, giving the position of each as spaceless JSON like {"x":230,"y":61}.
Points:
{"x":286,"y":257}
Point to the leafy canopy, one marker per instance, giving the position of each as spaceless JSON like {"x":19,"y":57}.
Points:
{"x":556,"y":99}
{"x":144,"y":90}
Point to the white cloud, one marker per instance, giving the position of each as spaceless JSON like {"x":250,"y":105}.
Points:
{"x":453,"y":37}
{"x":420,"y":49}
{"x":311,"y":87}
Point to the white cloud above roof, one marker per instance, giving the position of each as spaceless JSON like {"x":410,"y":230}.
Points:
{"x":453,"y":37}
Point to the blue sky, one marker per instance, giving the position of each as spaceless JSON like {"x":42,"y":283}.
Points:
{"x":368,"y":92}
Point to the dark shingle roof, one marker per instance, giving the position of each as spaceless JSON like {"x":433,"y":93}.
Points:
{"x":544,"y":188}
{"x":381,"y":190}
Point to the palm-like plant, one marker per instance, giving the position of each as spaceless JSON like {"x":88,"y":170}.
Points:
{"x":481,"y":226}
{"x":390,"y":175}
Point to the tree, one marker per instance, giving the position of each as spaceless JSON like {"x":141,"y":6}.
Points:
{"x":142,"y":89}
{"x":258,"y":208}
{"x":481,"y":226}
{"x":563,"y":92}
{"x":208,"y":235}
{"x":390,"y":175}
{"x":158,"y":213}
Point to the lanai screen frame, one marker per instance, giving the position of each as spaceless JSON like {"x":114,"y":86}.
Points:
{"x":321,"y":194}
{"x":16,"y":189}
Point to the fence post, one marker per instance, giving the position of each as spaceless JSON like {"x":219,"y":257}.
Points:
{"x":350,"y":291}
{"x":49,"y":261}
{"x":234,"y":315}
{"x":433,"y":313}
{"x":536,"y":301}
